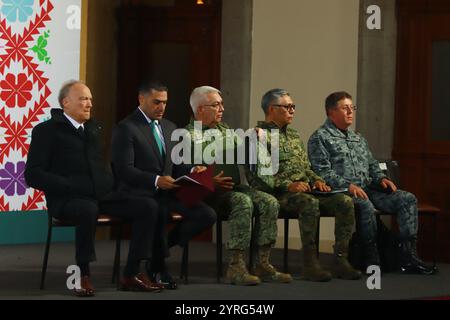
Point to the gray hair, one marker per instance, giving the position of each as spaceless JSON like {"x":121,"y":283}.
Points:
{"x":198,"y":96}
{"x":64,"y":91}
{"x":272,"y":96}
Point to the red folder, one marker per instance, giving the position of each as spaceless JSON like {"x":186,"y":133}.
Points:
{"x":195,"y":187}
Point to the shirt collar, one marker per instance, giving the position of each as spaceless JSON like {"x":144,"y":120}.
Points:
{"x":270,"y":125}
{"x":147,"y":118}
{"x":75,"y":123}
{"x":350,"y":134}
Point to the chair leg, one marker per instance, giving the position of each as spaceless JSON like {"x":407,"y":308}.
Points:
{"x":252,"y":251}
{"x":116,"y":267}
{"x":47,"y":250}
{"x":184,"y":263}
{"x":434,"y":239}
{"x":219,"y":249}
{"x":318,"y":236}
{"x":286,"y":245}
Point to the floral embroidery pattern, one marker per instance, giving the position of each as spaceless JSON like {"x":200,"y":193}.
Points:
{"x":17,"y":10}
{"x":39,"y":48}
{"x":16,"y":91}
{"x":12,"y":179}
{"x":24,"y":94}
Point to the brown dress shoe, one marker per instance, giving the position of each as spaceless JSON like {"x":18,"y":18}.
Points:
{"x":140,"y":282}
{"x":144,"y":278}
{"x":87,"y":289}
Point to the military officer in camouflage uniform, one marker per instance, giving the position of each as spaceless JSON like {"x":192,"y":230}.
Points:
{"x":294,"y":186}
{"x":242,"y":200}
{"x":342,"y":157}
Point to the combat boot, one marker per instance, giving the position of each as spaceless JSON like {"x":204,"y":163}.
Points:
{"x":311,"y":268}
{"x":410,"y":261}
{"x":237,"y":272}
{"x":267,"y":272}
{"x":342,"y":268}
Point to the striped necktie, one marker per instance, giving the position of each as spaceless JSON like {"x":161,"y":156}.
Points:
{"x":157,"y":137}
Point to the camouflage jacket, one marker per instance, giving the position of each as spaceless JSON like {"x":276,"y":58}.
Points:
{"x":252,"y":178}
{"x":342,"y":159}
{"x":293,"y":160}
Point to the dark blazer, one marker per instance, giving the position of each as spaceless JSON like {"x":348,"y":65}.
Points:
{"x":136,"y":158}
{"x":66,"y":165}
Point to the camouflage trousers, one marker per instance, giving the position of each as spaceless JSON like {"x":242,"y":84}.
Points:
{"x":402,"y":204}
{"x":242,"y":205}
{"x":308,"y":208}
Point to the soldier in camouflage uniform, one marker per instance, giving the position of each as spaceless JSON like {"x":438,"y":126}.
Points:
{"x":240,"y":201}
{"x":342,"y":157}
{"x":294,"y":185}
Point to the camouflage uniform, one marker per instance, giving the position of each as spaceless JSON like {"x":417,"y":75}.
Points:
{"x":294,"y":166}
{"x":241,"y":203}
{"x":343,"y":159}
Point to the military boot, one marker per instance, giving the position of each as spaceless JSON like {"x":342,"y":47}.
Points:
{"x":410,"y":261}
{"x":267,"y":272}
{"x":311,"y":268}
{"x":237,"y":272}
{"x":342,"y":268}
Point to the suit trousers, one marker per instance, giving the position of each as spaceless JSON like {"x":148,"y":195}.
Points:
{"x":140,"y":212}
{"x":196,"y":219}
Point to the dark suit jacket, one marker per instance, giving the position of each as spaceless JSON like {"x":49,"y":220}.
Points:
{"x":136,"y":158}
{"x":66,"y":165}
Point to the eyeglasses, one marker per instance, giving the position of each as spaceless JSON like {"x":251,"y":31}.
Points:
{"x":348,"y":107}
{"x":216,"y":105}
{"x":287,"y":107}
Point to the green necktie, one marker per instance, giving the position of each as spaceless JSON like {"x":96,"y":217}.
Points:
{"x":157,"y":138}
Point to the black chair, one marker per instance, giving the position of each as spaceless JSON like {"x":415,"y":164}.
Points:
{"x":177,"y":218}
{"x":102,"y":220}
{"x":286,"y":216}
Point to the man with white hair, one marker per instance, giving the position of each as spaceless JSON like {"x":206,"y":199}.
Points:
{"x":242,"y":200}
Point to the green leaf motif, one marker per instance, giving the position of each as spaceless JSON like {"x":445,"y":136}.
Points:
{"x":39,"y":48}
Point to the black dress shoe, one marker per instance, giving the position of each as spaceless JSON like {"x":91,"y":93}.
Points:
{"x":418,"y":268}
{"x":165,"y":279}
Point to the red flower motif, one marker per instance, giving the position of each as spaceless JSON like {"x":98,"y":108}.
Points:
{"x":16,"y":91}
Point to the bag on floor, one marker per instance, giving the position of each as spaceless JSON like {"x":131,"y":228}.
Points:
{"x":388,"y":249}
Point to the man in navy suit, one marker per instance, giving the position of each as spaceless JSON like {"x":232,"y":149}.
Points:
{"x":141,"y":156}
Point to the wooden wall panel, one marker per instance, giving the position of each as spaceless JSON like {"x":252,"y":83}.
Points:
{"x":425,"y":164}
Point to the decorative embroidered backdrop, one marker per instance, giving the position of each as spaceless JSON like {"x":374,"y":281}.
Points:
{"x":39,"y":49}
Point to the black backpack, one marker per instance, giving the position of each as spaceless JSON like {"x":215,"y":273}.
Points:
{"x":388,"y":249}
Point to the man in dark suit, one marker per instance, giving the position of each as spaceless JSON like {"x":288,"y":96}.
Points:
{"x":141,"y":155}
{"x":65,"y":162}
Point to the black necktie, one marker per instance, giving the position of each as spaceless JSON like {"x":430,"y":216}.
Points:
{"x":81,"y":131}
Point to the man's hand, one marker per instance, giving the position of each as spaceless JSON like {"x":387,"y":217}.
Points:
{"x":166,"y":183}
{"x":386,"y":183}
{"x":321,"y":186}
{"x":223,"y":182}
{"x":357,"y":192}
{"x":199,"y":169}
{"x":299,"y":186}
